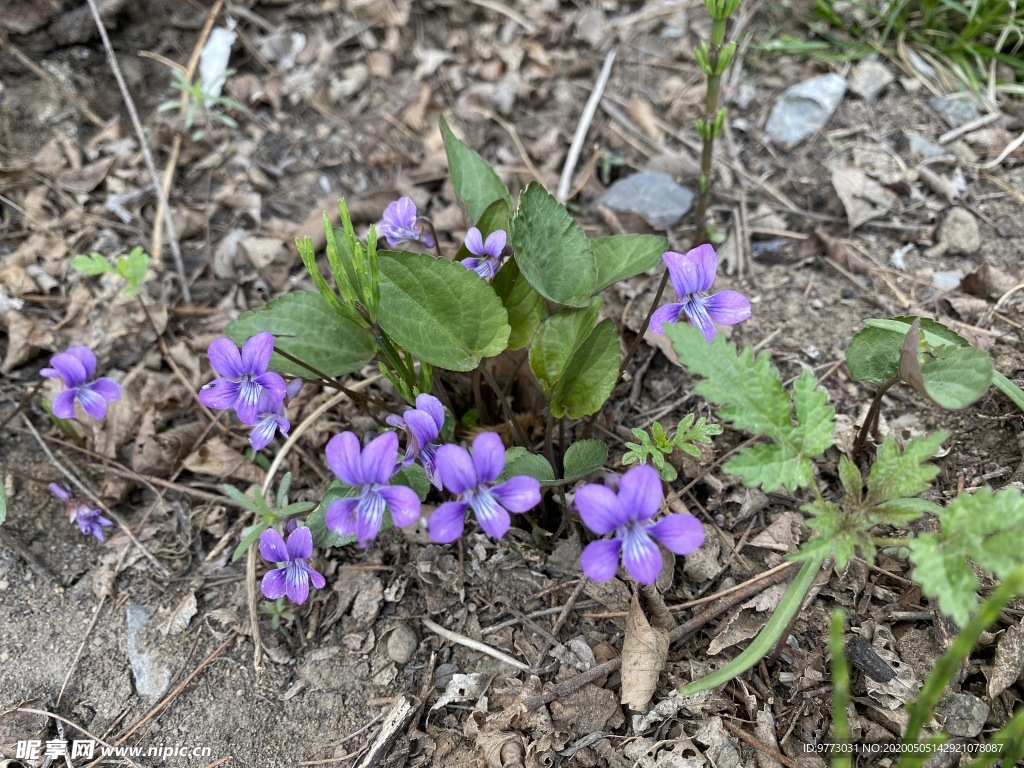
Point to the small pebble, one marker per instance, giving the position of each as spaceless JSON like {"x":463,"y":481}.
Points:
{"x":959,"y":233}
{"x":847,"y":293}
{"x":402,"y":644}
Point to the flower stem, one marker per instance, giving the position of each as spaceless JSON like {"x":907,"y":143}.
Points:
{"x":871,"y":420}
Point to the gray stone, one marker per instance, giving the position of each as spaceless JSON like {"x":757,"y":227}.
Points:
{"x":869,"y":78}
{"x":947,"y":280}
{"x":923,"y":148}
{"x":964,"y":714}
{"x":954,"y":112}
{"x":959,"y":233}
{"x":651,"y":194}
{"x":804,"y":108}
{"x":151,"y":675}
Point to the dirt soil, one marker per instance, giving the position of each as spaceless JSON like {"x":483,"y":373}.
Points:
{"x":145,"y":640}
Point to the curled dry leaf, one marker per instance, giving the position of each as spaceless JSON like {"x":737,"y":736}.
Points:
{"x":1009,"y":661}
{"x":181,"y":615}
{"x":862,"y":197}
{"x":644,"y":652}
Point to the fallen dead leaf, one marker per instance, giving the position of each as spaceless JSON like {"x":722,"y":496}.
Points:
{"x":863,"y":198}
{"x":1008,"y":662}
{"x":644,"y":652}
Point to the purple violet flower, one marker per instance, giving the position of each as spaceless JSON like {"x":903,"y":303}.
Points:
{"x":246,"y":384}
{"x":422,"y":425}
{"x":489,"y":252}
{"x":293,"y":577}
{"x":370,"y":470}
{"x":471,"y":478}
{"x":75,"y":368}
{"x":628,"y":515}
{"x":401,"y":224}
{"x":692,"y":275}
{"x":90,"y":521}
{"x":268,"y":424}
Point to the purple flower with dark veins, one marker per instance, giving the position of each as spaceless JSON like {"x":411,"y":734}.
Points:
{"x":246,"y":384}
{"x":487,"y":254}
{"x":370,"y":470}
{"x":627,"y":515}
{"x":75,"y":368}
{"x":90,"y":521}
{"x":422,"y":425}
{"x":692,"y":275}
{"x":471,"y":478}
{"x":268,"y":424}
{"x":293,"y":576}
{"x":401,"y":224}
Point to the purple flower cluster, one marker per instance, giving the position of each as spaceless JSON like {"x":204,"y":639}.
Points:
{"x":692,"y":275}
{"x":627,"y":516}
{"x":75,"y":369}
{"x":423,"y":425}
{"x":487,"y":255}
{"x":292,"y":578}
{"x":257,"y":396}
{"x":90,"y":521}
{"x":402,"y":224}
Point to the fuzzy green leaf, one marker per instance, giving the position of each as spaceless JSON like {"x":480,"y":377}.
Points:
{"x":551,"y":249}
{"x":93,"y":264}
{"x":415,"y":477}
{"x":439,"y":311}
{"x":840,"y":535}
{"x":306,"y":327}
{"x":897,"y":474}
{"x":691,"y":431}
{"x":873,"y":354}
{"x":590,"y":376}
{"x":475,"y":182}
{"x":956,"y":377}
{"x":584,"y":457}
{"x":749,"y":393}
{"x":771,"y":467}
{"x":622,"y":256}
{"x":322,"y":535}
{"x":983,"y":527}
{"x":851,"y":480}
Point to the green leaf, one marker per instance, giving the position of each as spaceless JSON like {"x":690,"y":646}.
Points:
{"x":622,"y":256}
{"x":873,"y":354}
{"x":93,"y":264}
{"x":559,"y":336}
{"x":415,"y":477}
{"x":761,"y":645}
{"x":840,"y":535}
{"x":306,"y":327}
{"x":851,"y":480}
{"x":815,"y":418}
{"x":524,"y":305}
{"x":690,"y":432}
{"x":983,"y":527}
{"x":133,"y":269}
{"x":519,"y":461}
{"x":902,"y":512}
{"x":475,"y":182}
{"x":439,"y":311}
{"x":249,"y":536}
{"x":771,"y":467}
{"x":257,"y":505}
{"x":589,"y":378}
{"x":749,"y":393}
{"x":322,"y":536}
{"x":896,"y":474}
{"x":956,"y":377}
{"x":584,"y":457}
{"x":551,"y":249}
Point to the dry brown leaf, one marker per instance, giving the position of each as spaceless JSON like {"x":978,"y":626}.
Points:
{"x":217,"y":458}
{"x":782,"y":535}
{"x":643,"y":115}
{"x":182,"y":614}
{"x":1009,"y":661}
{"x":79,"y":181}
{"x":862,"y":197}
{"x":644,"y":652}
